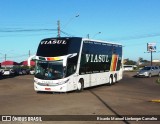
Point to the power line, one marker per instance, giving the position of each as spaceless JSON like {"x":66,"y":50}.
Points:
{"x":19,"y":56}
{"x":70,"y":20}
{"x":70,"y":35}
{"x":24,"y":30}
{"x":25,"y":35}
{"x":137,"y":37}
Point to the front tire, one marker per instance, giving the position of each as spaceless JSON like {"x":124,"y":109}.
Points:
{"x":150,"y":75}
{"x":80,"y":86}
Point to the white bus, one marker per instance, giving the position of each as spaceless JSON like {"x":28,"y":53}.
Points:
{"x":73,"y":63}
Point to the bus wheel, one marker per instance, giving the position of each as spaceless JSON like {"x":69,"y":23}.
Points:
{"x":150,"y":75}
{"x":115,"y":78}
{"x":80,"y":85}
{"x":110,"y":81}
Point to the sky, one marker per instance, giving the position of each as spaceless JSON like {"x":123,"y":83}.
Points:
{"x":132,"y":23}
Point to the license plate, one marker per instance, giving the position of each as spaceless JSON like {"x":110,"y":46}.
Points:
{"x":47,"y":88}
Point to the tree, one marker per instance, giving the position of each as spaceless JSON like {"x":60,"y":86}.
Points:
{"x":130,"y":62}
{"x":140,"y":59}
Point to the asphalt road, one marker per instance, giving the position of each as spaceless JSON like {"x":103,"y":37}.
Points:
{"x":130,"y":96}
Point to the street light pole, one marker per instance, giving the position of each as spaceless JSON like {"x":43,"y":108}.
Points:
{"x":96,"y":34}
{"x":58,"y":25}
{"x":70,"y":20}
{"x":58,"y":28}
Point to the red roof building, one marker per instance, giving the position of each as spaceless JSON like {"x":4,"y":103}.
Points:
{"x":8,"y":63}
{"x":25,"y":63}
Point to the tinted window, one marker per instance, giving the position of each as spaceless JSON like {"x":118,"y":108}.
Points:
{"x":156,"y":67}
{"x":146,"y":68}
{"x":100,"y":57}
{"x":53,"y":47}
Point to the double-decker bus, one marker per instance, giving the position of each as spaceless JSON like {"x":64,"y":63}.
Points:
{"x":73,"y":63}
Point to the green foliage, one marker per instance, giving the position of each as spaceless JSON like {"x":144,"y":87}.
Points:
{"x":17,"y":67}
{"x":130,"y":62}
{"x":24,"y":67}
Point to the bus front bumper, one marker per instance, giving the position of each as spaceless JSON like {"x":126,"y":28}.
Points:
{"x":58,"y":88}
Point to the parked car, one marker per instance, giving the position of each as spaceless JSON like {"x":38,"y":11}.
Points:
{"x":32,"y":72}
{"x":1,"y":72}
{"x":24,"y":71}
{"x":149,"y":71}
{"x":8,"y":72}
{"x":20,"y":71}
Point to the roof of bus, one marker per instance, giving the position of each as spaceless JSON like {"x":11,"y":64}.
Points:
{"x":102,"y":41}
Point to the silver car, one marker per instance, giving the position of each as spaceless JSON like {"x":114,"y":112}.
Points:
{"x":149,"y":71}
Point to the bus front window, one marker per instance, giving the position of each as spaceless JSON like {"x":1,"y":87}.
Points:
{"x":49,"y":70}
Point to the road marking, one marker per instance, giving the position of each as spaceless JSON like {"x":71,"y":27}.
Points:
{"x":156,"y":100}
{"x":107,"y":106}
{"x":28,"y":78}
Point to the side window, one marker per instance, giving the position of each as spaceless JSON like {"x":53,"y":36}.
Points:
{"x":97,"y":57}
{"x":71,"y":65}
{"x":153,"y":68}
{"x":156,"y":67}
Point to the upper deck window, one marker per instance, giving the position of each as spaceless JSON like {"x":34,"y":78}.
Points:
{"x":53,"y":47}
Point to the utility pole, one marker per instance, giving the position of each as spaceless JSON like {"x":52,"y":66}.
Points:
{"x":58,"y":28}
{"x":151,"y":57}
{"x":5,"y":58}
{"x":88,"y":36}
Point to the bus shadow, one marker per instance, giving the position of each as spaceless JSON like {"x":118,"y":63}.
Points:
{"x":2,"y":77}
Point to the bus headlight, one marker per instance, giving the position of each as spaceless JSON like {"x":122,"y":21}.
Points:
{"x":63,"y":82}
{"x":36,"y":80}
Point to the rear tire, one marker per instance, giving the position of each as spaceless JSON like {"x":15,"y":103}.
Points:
{"x":115,"y":78}
{"x":110,"y":81}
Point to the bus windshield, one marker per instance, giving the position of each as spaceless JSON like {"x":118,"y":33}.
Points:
{"x":49,"y":70}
